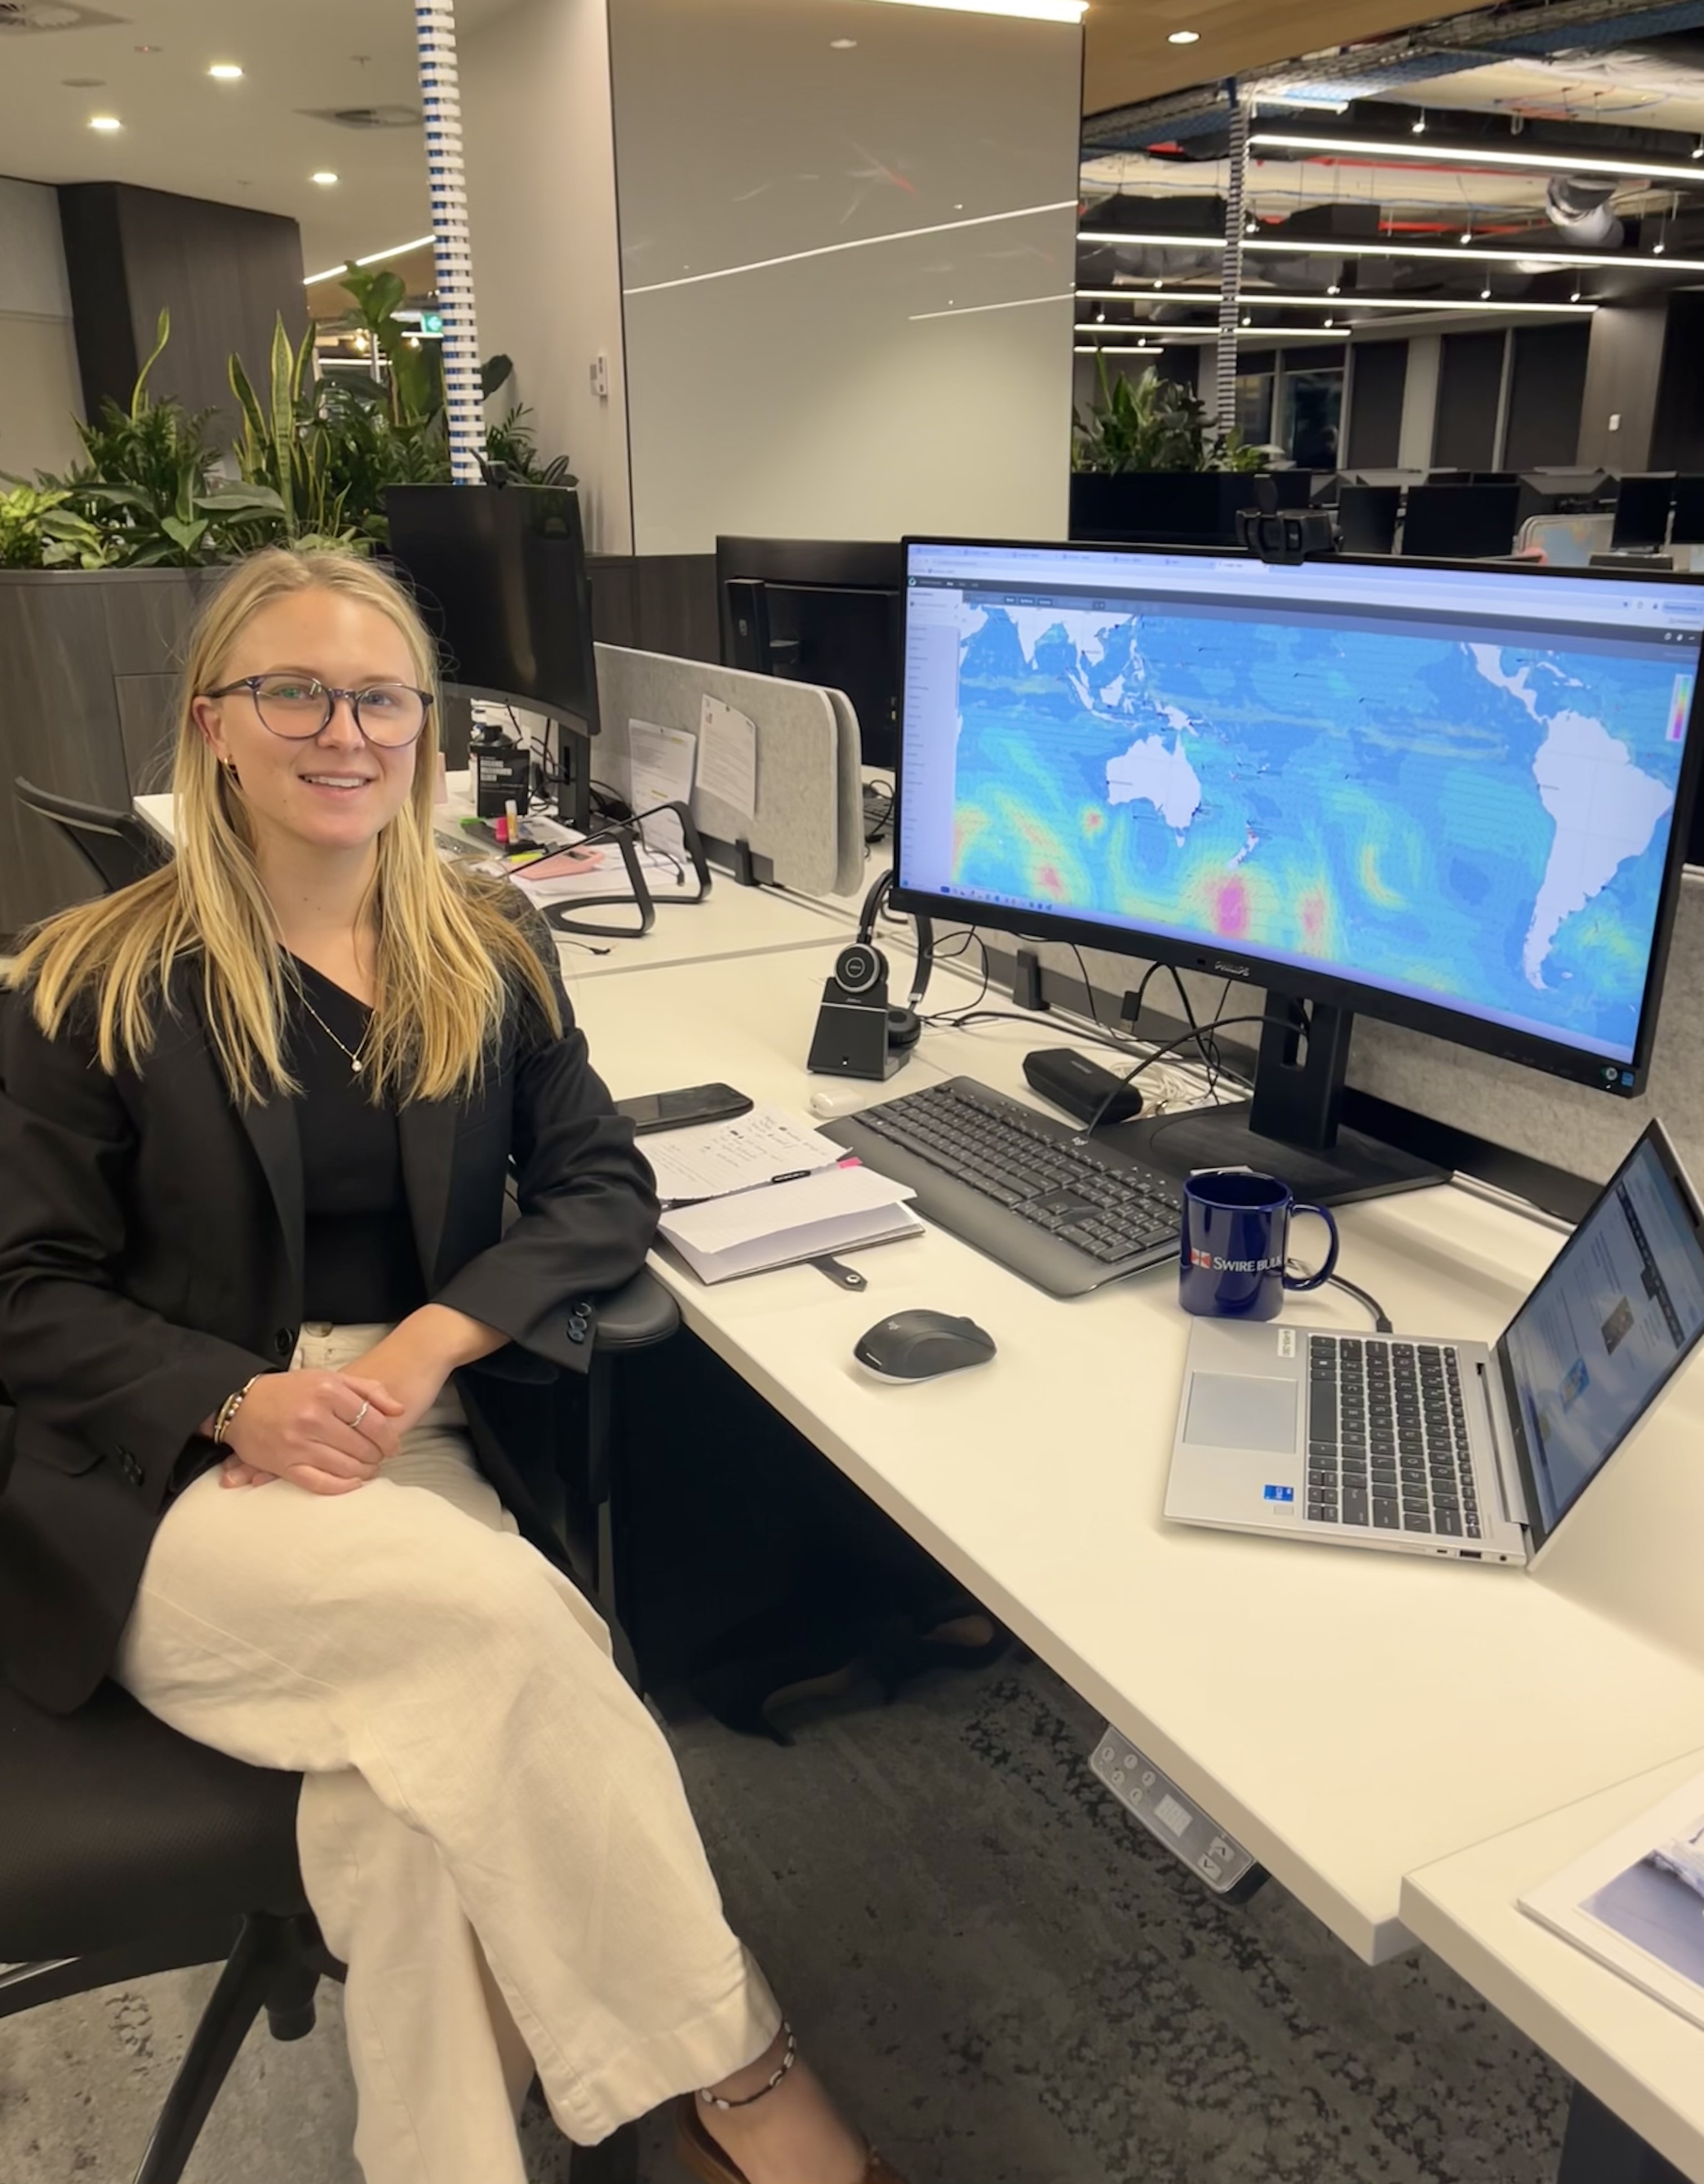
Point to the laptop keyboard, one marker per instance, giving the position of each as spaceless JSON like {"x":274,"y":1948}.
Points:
{"x":1387,"y":1437}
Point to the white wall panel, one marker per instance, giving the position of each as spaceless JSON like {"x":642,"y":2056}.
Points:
{"x":541,"y":180}
{"x":794,"y":213}
{"x":40,"y":390}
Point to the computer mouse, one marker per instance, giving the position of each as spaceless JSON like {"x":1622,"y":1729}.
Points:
{"x":920,"y":1345}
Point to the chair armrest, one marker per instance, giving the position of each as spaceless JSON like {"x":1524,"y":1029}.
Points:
{"x":637,"y":1314}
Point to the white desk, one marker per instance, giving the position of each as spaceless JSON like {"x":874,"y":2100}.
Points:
{"x":734,"y":920}
{"x":1351,"y":1716}
{"x":1641,"y":2059}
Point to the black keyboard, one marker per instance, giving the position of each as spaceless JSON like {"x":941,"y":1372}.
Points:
{"x":1015,"y":1184}
{"x":1387,"y":1437}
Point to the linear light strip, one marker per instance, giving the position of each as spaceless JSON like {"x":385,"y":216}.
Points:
{"x":372,"y":258}
{"x":854,"y":242}
{"x":1266,"y":298}
{"x":1119,"y":348}
{"x":1279,"y":334}
{"x":1017,"y":304}
{"x":1440,"y":155}
{"x":1464,"y":253}
{"x":1038,"y":11}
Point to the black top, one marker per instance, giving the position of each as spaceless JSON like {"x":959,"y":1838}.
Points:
{"x":360,"y":1263}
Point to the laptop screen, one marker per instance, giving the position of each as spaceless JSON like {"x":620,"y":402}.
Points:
{"x":1617,"y":1314}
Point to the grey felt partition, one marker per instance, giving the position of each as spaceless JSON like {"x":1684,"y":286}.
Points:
{"x":807,"y":822}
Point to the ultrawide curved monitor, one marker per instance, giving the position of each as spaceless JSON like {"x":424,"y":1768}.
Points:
{"x":1454,"y":798}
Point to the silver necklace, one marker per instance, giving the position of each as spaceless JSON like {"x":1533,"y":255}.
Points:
{"x":356,"y":1064}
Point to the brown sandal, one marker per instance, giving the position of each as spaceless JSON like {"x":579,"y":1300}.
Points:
{"x":705,"y":2158}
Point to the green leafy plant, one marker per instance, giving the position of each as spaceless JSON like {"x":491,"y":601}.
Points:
{"x":415,"y":383}
{"x":291,"y":447}
{"x":40,"y":529}
{"x":512,"y":442}
{"x":147,"y":483}
{"x":1151,"y":424}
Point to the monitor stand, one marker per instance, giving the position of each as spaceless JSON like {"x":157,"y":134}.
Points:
{"x":1289,"y":1128}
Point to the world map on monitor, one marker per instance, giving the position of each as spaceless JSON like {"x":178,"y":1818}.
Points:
{"x":1480,"y":825}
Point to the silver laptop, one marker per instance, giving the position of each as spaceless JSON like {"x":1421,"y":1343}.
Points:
{"x":1445,"y":1447}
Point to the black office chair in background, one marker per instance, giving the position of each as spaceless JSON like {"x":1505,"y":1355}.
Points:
{"x":117,"y":846}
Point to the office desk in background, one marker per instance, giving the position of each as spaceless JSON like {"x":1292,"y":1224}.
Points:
{"x":1350,"y":1716}
{"x":1643,"y":2061}
{"x":732,"y":921}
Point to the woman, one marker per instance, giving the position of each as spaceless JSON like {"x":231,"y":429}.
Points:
{"x":257,"y":1114}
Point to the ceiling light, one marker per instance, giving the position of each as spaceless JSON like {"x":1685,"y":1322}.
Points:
{"x":1657,"y":249}
{"x":1575,"y":297}
{"x":1358,"y":302}
{"x":1465,"y":236}
{"x":1698,"y":149}
{"x":325,"y":178}
{"x":225,"y":72}
{"x":1419,"y":127}
{"x":1184,"y":38}
{"x":1379,"y":147}
{"x":1332,"y":288}
{"x":106,"y":122}
{"x":1334,"y":247}
{"x":1118,"y":348}
{"x":842,"y":45}
{"x":1039,"y":11}
{"x":1483,"y":294}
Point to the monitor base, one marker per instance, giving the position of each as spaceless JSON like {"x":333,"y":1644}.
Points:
{"x":1355,"y":1167}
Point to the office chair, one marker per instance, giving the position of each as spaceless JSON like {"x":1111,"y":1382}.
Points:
{"x":129,"y":1849}
{"x":117,"y":846}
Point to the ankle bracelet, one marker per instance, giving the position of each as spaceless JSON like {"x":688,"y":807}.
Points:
{"x":789,"y":2057}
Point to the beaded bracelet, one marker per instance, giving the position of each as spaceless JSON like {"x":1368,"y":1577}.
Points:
{"x":788,"y":2061}
{"x":229,"y":1408}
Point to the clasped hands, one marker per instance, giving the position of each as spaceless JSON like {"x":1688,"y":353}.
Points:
{"x":330,"y":1432}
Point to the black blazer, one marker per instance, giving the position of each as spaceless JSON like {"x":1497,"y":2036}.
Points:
{"x":151,"y":1250}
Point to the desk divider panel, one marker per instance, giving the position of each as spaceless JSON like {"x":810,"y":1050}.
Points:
{"x":807,"y":760}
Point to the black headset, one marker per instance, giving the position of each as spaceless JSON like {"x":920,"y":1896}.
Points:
{"x":862,"y":967}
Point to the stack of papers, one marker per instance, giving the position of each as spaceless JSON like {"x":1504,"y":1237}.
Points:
{"x":1636,"y":1901}
{"x":712,"y":1160}
{"x":766,"y":1189}
{"x":836,"y":1210}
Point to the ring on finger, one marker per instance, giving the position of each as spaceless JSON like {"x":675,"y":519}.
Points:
{"x":355,"y":1422}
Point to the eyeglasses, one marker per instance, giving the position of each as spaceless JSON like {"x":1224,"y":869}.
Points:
{"x":298,"y":707}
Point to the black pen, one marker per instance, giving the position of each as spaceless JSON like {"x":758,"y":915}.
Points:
{"x":794,"y":1175}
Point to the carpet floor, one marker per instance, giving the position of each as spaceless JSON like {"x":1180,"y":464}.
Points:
{"x":1006,"y":1978}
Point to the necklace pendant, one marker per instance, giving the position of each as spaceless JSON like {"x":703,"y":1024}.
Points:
{"x":354,"y":1066}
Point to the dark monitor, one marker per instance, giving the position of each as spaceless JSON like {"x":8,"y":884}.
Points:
{"x":1687,"y":528}
{"x":818,"y":611}
{"x":1460,"y":523}
{"x":1568,"y":493}
{"x":1452,"y":798}
{"x":1366,"y":518}
{"x":500,"y":573}
{"x":1641,"y":514}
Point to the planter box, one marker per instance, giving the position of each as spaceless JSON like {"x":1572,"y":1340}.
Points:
{"x":89,"y":660}
{"x":1173,"y":508}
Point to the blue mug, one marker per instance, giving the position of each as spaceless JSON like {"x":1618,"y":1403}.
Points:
{"x":1235,"y":1240}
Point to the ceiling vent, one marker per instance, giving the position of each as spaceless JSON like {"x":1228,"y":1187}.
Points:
{"x":363,"y":117}
{"x":20,"y":16}
{"x":1578,"y":208}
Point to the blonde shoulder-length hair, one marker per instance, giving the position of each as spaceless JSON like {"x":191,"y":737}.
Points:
{"x":451,"y":958}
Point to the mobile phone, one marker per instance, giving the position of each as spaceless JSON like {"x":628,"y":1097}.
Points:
{"x":673,"y":1110}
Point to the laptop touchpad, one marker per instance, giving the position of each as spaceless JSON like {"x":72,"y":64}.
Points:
{"x":1229,"y":1410}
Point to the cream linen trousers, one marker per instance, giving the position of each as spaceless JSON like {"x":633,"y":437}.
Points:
{"x":494,"y":1834}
